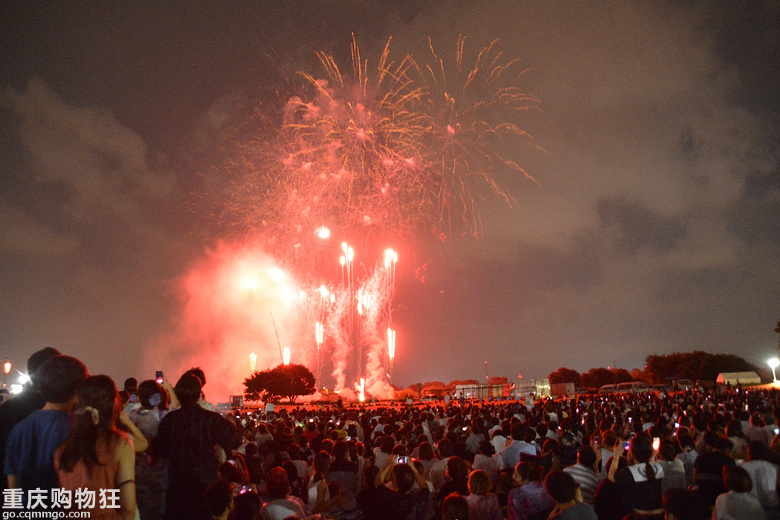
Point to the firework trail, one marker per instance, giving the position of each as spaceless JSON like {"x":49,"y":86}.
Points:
{"x":371,"y":152}
{"x":471,"y":117}
{"x":376,"y":321}
{"x":387,"y":150}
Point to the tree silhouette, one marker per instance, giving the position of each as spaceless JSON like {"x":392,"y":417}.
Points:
{"x":565,"y":375}
{"x":283,"y":381}
{"x":621,"y":375}
{"x":694,"y":365}
{"x":777,"y":330}
{"x":598,"y":377}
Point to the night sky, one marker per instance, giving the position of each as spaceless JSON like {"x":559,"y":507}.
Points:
{"x":654,"y":225}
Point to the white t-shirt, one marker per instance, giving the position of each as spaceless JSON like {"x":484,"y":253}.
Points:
{"x":737,"y":506}
{"x":282,"y":508}
{"x":763,"y":474}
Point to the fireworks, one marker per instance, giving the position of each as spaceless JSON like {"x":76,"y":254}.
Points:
{"x":371,"y":151}
{"x":472,"y":126}
{"x":385,"y":149}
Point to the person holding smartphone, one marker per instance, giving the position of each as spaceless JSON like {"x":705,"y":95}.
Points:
{"x":640,"y":483}
{"x":154,"y":401}
{"x":402,"y":500}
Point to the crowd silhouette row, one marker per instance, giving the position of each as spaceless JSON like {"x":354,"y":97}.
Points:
{"x":159,"y":451}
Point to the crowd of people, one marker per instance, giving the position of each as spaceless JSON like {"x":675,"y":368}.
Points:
{"x":159,"y":451}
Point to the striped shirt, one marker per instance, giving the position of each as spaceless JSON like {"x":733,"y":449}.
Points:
{"x":586,"y":478}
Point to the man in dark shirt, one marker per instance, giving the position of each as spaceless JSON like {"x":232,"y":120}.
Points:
{"x":708,"y":468}
{"x":345,"y":472}
{"x":187,"y":438}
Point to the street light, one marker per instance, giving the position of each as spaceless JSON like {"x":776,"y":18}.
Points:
{"x":773,"y":363}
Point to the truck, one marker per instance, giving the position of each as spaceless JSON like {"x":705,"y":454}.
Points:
{"x":561,"y":389}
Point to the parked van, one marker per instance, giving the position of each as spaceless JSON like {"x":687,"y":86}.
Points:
{"x":607,"y":389}
{"x":684,"y":384}
{"x":632,"y":387}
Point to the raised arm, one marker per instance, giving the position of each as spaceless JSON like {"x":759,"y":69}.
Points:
{"x":172,"y":393}
{"x":139,"y":440}
{"x":613,"y":468}
{"x":387,"y":468}
{"x":125,"y":479}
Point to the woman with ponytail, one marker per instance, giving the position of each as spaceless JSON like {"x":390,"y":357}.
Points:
{"x":640,"y":481}
{"x":97,"y":455}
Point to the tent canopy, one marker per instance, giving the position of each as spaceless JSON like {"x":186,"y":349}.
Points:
{"x":742,"y":378}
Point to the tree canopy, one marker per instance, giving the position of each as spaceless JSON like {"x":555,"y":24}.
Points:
{"x":565,"y":375}
{"x":283,"y":381}
{"x":693,"y":365}
{"x":658,"y":369}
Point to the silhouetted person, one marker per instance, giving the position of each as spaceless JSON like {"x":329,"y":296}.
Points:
{"x":23,"y":404}
{"x":187,"y":438}
{"x":29,"y":456}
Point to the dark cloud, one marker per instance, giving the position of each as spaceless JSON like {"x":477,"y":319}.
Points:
{"x":757,"y":220}
{"x":634,"y":227}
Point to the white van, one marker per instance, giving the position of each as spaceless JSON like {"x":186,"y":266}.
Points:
{"x":632,"y":387}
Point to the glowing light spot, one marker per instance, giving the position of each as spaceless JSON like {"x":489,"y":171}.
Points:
{"x":391,"y":257}
{"x":319,"y":333}
{"x":276,"y":274}
{"x":323,"y":232}
{"x":249,"y":283}
{"x":287,"y":295}
{"x":390,"y":344}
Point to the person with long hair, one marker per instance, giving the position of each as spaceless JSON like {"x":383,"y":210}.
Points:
{"x":97,"y":455}
{"x":426,"y":457}
{"x":640,"y":483}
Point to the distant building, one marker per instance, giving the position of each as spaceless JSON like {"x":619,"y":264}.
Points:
{"x":743,"y":378}
{"x":484,"y":391}
{"x":537,"y":387}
